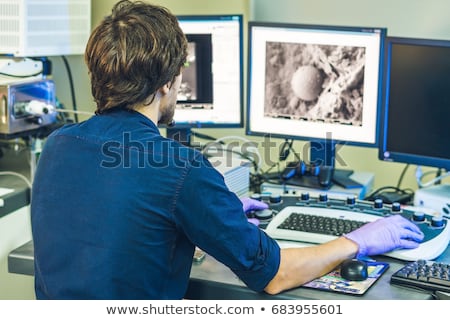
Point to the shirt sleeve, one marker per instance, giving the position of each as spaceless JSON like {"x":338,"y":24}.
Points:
{"x":212,"y":217}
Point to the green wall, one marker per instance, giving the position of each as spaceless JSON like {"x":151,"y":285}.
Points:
{"x":409,"y":18}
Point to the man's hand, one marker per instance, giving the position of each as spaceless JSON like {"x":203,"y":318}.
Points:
{"x":386,"y":234}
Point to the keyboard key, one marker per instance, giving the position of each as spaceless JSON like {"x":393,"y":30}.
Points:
{"x":428,"y":275}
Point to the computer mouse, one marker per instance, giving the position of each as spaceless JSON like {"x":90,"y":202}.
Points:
{"x":354,"y":270}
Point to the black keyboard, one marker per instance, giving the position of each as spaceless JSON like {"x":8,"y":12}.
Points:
{"x":319,"y":224}
{"x":424,"y":274}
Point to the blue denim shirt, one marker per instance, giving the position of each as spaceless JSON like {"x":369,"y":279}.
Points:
{"x":117,"y":210}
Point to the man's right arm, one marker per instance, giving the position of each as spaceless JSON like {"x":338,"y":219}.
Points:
{"x":301,"y":265}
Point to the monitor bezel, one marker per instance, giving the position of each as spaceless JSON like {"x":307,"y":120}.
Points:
{"x":400,"y":156}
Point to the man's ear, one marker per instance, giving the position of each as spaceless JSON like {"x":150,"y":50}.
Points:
{"x":165,"y":88}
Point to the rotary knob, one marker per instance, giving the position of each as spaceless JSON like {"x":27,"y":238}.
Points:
{"x":418,"y":216}
{"x":323,"y":197}
{"x":351,"y":200}
{"x":304,"y":196}
{"x":396,"y":207}
{"x":264,"y":214}
{"x":256,"y":196}
{"x":437,"y":222}
{"x":378,"y":204}
{"x":275,"y":198}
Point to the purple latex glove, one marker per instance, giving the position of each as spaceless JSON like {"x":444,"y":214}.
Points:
{"x":385,"y":235}
{"x":249,"y":204}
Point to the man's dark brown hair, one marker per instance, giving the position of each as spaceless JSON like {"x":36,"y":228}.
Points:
{"x":132,"y":53}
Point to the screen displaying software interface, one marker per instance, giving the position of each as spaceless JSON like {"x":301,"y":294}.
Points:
{"x":211,"y":89}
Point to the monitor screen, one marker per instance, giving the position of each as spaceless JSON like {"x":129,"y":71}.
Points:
{"x":211,"y":92}
{"x":316,"y":83}
{"x":417,"y":102}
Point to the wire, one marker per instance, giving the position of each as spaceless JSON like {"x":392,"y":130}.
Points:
{"x":438,"y":174}
{"x":203,"y":136}
{"x":75,"y":112}
{"x":402,"y":175}
{"x":12,"y":173}
{"x":72,"y":90}
{"x":420,"y":176}
{"x":378,"y":192}
{"x":285,"y":149}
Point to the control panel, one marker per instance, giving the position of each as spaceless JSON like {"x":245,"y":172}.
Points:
{"x":435,"y":227}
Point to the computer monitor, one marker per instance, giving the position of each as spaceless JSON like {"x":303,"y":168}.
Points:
{"x":417,"y":102}
{"x":211,"y":93}
{"x":317,"y":83}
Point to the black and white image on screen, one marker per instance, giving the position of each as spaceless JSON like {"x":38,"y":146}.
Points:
{"x":314,"y":82}
{"x":188,"y":87}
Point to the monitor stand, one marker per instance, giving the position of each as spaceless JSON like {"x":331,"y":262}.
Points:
{"x":324,"y":153}
{"x":306,"y":181}
{"x":341,"y":178}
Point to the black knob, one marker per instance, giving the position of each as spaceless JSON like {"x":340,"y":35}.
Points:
{"x":256,"y":196}
{"x":378,"y":204}
{"x":275,"y":198}
{"x":263,"y":214}
{"x":396,"y":207}
{"x":418,"y":216}
{"x":351,"y":200}
{"x":437,"y":222}
{"x":323,"y":197}
{"x":304,"y":196}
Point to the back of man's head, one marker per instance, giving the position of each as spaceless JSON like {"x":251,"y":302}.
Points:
{"x":132,"y":53}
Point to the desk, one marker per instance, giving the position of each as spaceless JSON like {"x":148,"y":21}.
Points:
{"x":14,"y":224}
{"x":211,"y":280}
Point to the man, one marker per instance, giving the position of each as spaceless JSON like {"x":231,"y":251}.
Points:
{"x":117,"y":209}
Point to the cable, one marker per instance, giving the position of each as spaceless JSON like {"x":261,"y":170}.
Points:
{"x":285,"y":149}
{"x":438,"y":174}
{"x":402,"y":175}
{"x":12,"y":173}
{"x":72,"y":90}
{"x":420,"y":176}
{"x":75,"y":112}
{"x":397,"y":195}
{"x":202,"y":136}
{"x":40,"y":108}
